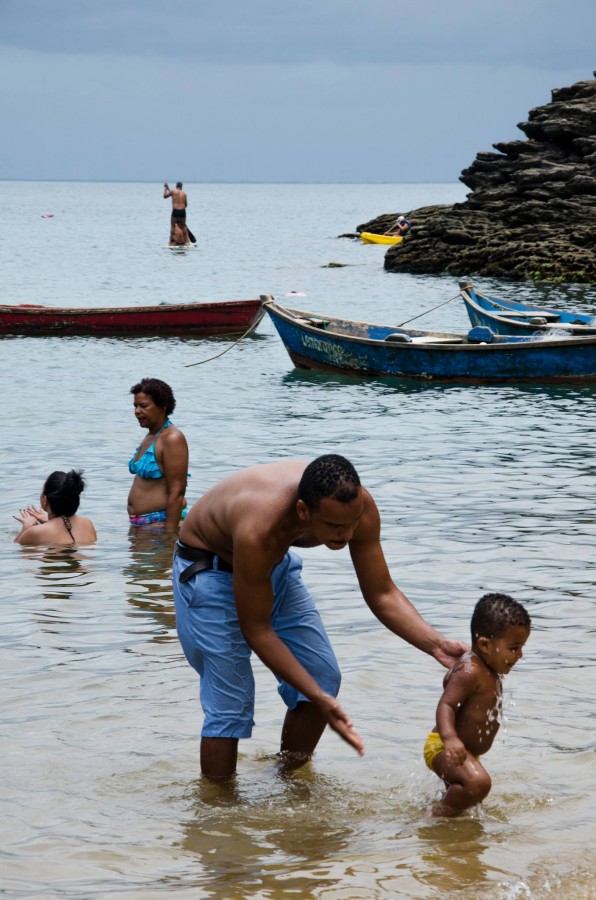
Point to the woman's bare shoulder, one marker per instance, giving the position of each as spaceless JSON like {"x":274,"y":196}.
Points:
{"x":40,"y":535}
{"x":88,"y":533}
{"x":172,"y":436}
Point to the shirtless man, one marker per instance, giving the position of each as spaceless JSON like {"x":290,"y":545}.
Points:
{"x":238,"y":588}
{"x":178,"y":230}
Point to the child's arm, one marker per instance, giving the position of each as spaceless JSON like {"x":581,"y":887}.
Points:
{"x":459,"y":687}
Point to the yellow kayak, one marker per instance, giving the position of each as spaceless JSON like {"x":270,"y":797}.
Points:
{"x":370,"y":238}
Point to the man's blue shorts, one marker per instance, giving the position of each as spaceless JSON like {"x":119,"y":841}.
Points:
{"x":210,"y":635}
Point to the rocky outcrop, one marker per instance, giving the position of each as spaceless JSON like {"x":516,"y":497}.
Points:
{"x":532,"y":210}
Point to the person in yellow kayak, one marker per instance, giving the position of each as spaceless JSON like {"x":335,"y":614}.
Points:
{"x":400,"y":227}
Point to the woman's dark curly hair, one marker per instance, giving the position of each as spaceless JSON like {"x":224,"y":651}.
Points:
{"x":160,"y":392}
{"x":63,"y":491}
{"x":328,"y":476}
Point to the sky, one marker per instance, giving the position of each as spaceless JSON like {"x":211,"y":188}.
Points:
{"x":364,"y":91}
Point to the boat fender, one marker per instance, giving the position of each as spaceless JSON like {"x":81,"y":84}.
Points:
{"x":537,"y":320}
{"x":480,"y":335}
{"x":399,"y":338}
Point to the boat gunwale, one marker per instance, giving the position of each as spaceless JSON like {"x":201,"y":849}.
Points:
{"x":40,"y":310}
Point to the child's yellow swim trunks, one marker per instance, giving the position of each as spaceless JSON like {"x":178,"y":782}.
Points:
{"x":434,"y":745}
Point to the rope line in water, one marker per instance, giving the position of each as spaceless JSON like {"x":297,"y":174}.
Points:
{"x":426,"y":311}
{"x":217,"y":355}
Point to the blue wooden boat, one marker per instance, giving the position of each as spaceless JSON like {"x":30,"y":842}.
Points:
{"x":331,"y":344}
{"x":511,"y":317}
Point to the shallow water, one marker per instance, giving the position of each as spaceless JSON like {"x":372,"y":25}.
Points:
{"x":480,"y":488}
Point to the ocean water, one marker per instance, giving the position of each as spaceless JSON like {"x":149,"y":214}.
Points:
{"x":480,"y":488}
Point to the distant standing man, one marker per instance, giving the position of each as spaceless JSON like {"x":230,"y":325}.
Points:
{"x":238,"y":588}
{"x":178,"y":230}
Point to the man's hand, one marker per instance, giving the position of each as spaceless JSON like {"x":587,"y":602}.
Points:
{"x":448,"y":652}
{"x":342,"y":724}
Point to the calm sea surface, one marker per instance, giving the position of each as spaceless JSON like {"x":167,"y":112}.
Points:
{"x":480,"y":488}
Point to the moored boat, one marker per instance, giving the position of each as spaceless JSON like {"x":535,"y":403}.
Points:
{"x":512,"y":317}
{"x":332,"y":344}
{"x":218,"y":317}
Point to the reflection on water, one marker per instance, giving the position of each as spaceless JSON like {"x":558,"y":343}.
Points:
{"x":247,"y":843}
{"x":147,"y":574}
{"x":61,"y":571}
{"x":452,"y":854}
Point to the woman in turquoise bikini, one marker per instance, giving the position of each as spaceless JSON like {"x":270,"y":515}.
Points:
{"x":160,"y":462}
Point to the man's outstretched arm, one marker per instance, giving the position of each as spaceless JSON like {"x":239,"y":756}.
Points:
{"x":388,"y":603}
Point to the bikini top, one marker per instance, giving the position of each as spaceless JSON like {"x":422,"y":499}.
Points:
{"x":146,"y":466}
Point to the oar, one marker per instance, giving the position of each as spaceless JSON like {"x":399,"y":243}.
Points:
{"x":191,"y":236}
{"x":393,"y":224}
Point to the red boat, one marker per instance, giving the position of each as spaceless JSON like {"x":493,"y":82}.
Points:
{"x":219,"y":317}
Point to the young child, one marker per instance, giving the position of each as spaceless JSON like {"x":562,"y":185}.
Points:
{"x":469,"y":712}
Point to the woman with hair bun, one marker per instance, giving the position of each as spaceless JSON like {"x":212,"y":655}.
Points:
{"x":55,"y":520}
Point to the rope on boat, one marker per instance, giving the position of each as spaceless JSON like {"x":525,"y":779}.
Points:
{"x":217,"y":355}
{"x":254,"y":325}
{"x":426,"y":311}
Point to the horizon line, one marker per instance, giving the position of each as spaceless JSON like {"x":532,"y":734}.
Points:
{"x":217,"y":181}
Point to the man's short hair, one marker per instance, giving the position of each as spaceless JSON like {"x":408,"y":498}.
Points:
{"x":178,"y":184}
{"x":495,"y":613}
{"x":330,"y":476}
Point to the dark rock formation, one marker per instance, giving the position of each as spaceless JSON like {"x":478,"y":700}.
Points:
{"x":532,"y":210}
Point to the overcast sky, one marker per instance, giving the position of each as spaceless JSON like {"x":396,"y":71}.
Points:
{"x":270,"y":90}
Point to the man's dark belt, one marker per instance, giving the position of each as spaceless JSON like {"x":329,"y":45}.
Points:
{"x":201,"y":561}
